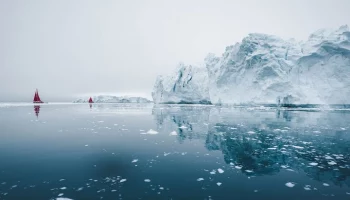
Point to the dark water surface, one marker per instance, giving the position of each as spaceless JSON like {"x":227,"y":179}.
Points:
{"x":123,"y":151}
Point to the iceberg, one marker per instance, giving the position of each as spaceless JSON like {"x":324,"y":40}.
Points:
{"x":266,"y":69}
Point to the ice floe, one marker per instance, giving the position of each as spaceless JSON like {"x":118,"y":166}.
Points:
{"x":200,"y":179}
{"x":218,"y":183}
{"x":220,"y":171}
{"x":123,"y":180}
{"x":173,"y":133}
{"x":147,"y":180}
{"x":290,"y":184}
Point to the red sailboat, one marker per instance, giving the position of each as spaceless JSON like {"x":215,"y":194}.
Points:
{"x":90,"y":100}
{"x":37,"y":98}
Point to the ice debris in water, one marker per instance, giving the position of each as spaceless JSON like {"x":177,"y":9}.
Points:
{"x":218,"y":183}
{"x":80,"y":189}
{"x":251,"y":132}
{"x":135,"y":160}
{"x":173,"y":133}
{"x":182,"y":127}
{"x":220,"y":171}
{"x":63,"y":188}
{"x":213,"y":171}
{"x":325,"y":184}
{"x":290,"y":184}
{"x":123,"y":180}
{"x":332,"y":163}
{"x":307,"y":187}
{"x":200,"y":179}
{"x":147,"y":180}
{"x":238,"y":167}
{"x":313,"y":164}
{"x":328,"y":158}
{"x":60,"y":194}
{"x":86,"y":145}
{"x":249,"y":171}
{"x":63,"y":198}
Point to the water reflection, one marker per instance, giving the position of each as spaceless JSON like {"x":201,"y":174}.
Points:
{"x":37,"y":110}
{"x":267,"y":142}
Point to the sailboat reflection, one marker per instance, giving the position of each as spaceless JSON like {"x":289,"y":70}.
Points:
{"x":90,"y":105}
{"x":37,"y":110}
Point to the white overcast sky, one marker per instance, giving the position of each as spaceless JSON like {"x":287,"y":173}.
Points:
{"x":67,"y":48}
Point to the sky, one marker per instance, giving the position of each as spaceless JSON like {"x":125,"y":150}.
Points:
{"x":73,"y":48}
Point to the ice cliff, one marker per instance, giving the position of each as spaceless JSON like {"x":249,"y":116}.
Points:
{"x":189,"y":84}
{"x":267,"y":69}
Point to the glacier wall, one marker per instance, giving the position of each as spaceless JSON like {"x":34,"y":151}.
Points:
{"x":189,"y":84}
{"x":267,"y":69}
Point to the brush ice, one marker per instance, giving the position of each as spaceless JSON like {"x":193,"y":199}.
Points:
{"x":147,"y":180}
{"x":332,"y":163}
{"x":152,"y":132}
{"x":134,"y":161}
{"x":313,"y":164}
{"x":200,"y":179}
{"x":220,"y":171}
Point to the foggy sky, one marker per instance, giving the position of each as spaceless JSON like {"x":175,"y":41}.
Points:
{"x":68,"y":48}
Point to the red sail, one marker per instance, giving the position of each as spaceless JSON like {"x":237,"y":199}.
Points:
{"x":36,"y":97}
{"x":90,"y":100}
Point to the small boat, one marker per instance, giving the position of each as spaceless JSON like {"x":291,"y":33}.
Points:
{"x":90,"y":100}
{"x":37,"y":98}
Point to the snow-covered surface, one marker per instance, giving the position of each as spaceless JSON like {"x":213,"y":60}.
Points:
{"x":267,"y":69}
{"x":113,"y":99}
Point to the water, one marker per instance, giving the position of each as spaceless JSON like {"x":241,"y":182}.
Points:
{"x":124,"y":151}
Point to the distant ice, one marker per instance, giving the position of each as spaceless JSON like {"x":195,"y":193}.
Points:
{"x":135,"y":160}
{"x":147,"y":180}
{"x":218,"y":183}
{"x":251,"y":132}
{"x":220,"y":171}
{"x":60,"y":194}
{"x":325,"y":184}
{"x":200,"y":179}
{"x":238,"y":167}
{"x":63,"y":188}
{"x":182,"y":127}
{"x":123,"y":180}
{"x":63,"y":198}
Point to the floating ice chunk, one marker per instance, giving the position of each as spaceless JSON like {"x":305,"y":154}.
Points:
{"x":232,"y":128}
{"x":80,"y":189}
{"x":152,"y":132}
{"x":272,"y":148}
{"x":63,"y":188}
{"x":60,"y":194}
{"x":182,"y":127}
{"x":328,"y":158}
{"x":213,"y":172}
{"x":325,"y":184}
{"x":332,"y":163}
{"x":173,"y":133}
{"x":200,"y":179}
{"x":343,"y":129}
{"x":284,"y":166}
{"x":218,"y":183}
{"x":220,"y":171}
{"x":238,"y":167}
{"x":123,"y":180}
{"x":298,"y":147}
{"x":63,"y":198}
{"x":147,"y":180}
{"x":348,"y":193}
{"x":317,"y":131}
{"x":86,"y":145}
{"x":100,"y":121}
{"x":251,"y":132}
{"x":313,"y":164}
{"x":290,"y":184}
{"x":161,"y":188}
{"x":135,"y":160}
{"x":62,"y":179}
{"x":249,"y":171}
{"x":307,"y":187}
{"x":165,"y":154}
